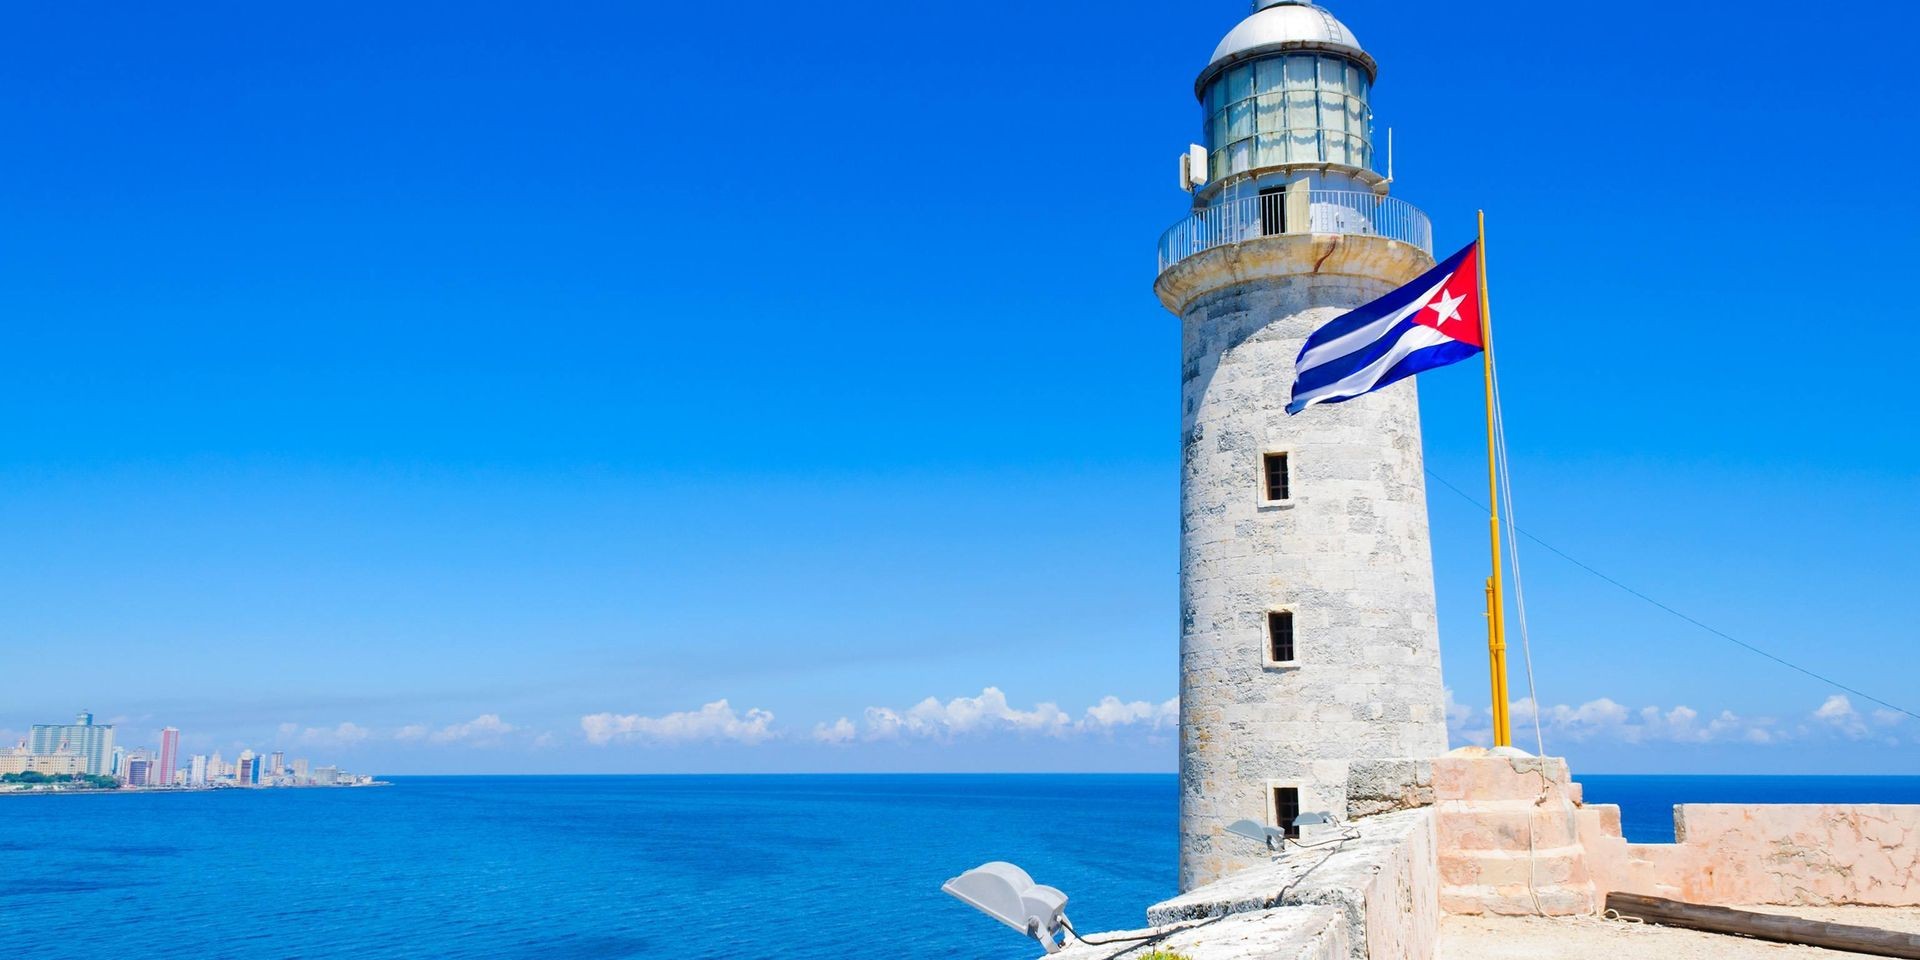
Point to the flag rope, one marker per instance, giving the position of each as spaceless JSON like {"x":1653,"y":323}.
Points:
{"x":1513,"y":554}
{"x":1722,"y":634}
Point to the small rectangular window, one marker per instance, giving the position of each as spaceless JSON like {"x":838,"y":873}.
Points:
{"x":1278,"y":484}
{"x":1280,"y":635}
{"x":1286,"y":810}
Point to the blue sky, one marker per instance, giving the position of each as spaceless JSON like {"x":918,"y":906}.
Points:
{"x":480,"y":388}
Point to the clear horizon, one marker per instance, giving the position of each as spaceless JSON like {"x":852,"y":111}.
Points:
{"x":579,"y":392}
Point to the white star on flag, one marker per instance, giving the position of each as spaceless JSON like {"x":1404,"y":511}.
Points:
{"x":1448,"y":308}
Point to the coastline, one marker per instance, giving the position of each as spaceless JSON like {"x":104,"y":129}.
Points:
{"x":160,"y":791}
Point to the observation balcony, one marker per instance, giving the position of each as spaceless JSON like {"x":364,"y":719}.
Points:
{"x":1352,"y":212}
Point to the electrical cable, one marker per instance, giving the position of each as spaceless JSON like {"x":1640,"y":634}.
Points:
{"x":1562,"y":554}
{"x":1107,"y":940}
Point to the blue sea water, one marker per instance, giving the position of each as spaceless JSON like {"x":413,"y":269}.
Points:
{"x":1646,"y":802}
{"x":801,"y":867}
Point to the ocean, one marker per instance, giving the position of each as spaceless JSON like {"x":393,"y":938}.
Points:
{"x":689,"y":868}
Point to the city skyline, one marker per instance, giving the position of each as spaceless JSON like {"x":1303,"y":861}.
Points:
{"x":457,"y":397}
{"x":87,"y":748}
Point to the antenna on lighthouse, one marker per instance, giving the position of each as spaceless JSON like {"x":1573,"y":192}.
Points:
{"x":1193,"y":168}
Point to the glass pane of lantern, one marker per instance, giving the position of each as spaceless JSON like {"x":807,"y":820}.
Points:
{"x":1240,"y":120}
{"x":1299,"y":73}
{"x":1240,"y":83}
{"x":1271,"y":112}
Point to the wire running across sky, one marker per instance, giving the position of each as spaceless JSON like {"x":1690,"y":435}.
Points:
{"x":1722,"y":634}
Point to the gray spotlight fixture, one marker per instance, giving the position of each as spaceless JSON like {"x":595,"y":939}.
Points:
{"x":1006,"y":893}
{"x":1274,"y":837}
{"x":1316,"y":826}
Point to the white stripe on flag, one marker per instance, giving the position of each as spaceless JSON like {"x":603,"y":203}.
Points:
{"x":1363,"y":379}
{"x":1359,"y":338}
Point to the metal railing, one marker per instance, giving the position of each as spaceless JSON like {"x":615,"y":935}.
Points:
{"x":1356,"y":212}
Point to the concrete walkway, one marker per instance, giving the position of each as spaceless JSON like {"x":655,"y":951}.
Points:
{"x":1590,"y":938}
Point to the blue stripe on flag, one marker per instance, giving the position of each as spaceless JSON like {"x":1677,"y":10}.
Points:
{"x":1452,"y":351}
{"x":1340,"y":368}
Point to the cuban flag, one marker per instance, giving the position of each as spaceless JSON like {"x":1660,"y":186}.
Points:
{"x":1431,"y":322}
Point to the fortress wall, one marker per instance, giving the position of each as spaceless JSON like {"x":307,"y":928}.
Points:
{"x":1515,"y":839}
{"x":1789,"y":854}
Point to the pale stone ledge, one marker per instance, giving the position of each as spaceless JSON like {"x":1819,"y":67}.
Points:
{"x":1295,"y":933}
{"x":1381,"y":882}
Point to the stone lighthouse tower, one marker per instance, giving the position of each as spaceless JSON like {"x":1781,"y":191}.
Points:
{"x":1307,"y":634}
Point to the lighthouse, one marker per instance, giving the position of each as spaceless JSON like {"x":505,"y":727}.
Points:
{"x":1307,"y":630}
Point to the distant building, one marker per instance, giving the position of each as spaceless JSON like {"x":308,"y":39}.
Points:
{"x":277,"y":765}
{"x":52,"y":764}
{"x":140,"y":772}
{"x":197,"y":771}
{"x":243,"y":769}
{"x":92,"y":742}
{"x":169,"y":757}
{"x":326,"y":776}
{"x":216,"y":766}
{"x":300,"y":770}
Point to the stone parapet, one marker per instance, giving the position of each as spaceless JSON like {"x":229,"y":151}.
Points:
{"x":1515,"y":839}
{"x":1787,"y":854}
{"x":1291,"y":933}
{"x":1381,"y":882}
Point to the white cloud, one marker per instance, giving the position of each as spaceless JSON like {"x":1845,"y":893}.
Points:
{"x":839,"y":731}
{"x":343,"y":735}
{"x":1838,"y":714}
{"x":989,"y":712}
{"x":485,"y":729}
{"x":715,"y":722}
{"x":1112,"y":713}
{"x":1605,"y":719}
{"x":412,"y":731}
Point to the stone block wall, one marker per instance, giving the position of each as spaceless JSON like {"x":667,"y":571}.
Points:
{"x":1790,"y":854}
{"x":1515,"y":839}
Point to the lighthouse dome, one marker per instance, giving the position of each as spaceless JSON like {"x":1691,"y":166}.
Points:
{"x":1282,"y":25}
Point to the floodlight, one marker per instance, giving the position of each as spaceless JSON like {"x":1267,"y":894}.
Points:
{"x":1274,"y":837}
{"x":1006,"y":893}
{"x":1314,"y":826}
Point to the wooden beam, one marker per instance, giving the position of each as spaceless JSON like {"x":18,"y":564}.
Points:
{"x":1766,"y":926}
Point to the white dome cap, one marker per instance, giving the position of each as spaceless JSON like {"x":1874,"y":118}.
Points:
{"x":1278,"y":25}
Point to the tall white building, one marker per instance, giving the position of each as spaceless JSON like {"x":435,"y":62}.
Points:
{"x":197,"y":770}
{"x":1308,"y":635}
{"x":92,"y":742}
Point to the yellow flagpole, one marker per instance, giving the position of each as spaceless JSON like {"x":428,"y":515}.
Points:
{"x":1496,"y":605}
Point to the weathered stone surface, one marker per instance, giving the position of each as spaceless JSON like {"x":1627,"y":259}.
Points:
{"x":1347,"y":553}
{"x":1384,"y":786}
{"x":1290,"y":933}
{"x":1382,"y":882}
